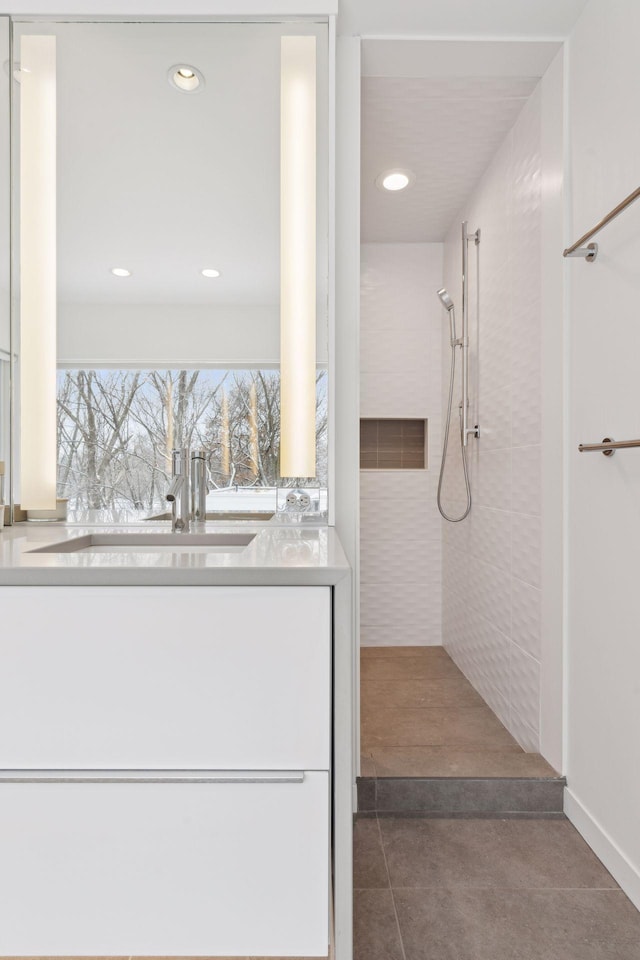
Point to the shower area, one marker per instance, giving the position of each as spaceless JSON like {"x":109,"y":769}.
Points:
{"x":459,"y":600}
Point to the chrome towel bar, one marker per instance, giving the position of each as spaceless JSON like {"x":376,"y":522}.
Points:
{"x":590,"y":252}
{"x":608,"y":446}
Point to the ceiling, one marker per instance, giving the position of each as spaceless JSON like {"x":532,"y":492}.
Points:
{"x":441,"y":109}
{"x":415,"y":57}
{"x":445,"y":131}
{"x":520,"y":19}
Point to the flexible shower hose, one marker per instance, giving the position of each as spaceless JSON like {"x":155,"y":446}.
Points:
{"x":463,"y":450}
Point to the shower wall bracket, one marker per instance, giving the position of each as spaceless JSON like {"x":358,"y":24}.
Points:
{"x":590,"y":252}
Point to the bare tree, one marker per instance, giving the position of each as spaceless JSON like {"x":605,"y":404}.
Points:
{"x":92,"y":420}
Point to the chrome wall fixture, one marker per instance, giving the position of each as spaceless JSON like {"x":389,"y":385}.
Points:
{"x":466,"y":238}
{"x":463,"y":343}
{"x":608,"y":446}
{"x":590,"y":252}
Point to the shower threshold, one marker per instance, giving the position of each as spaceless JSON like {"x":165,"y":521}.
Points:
{"x":430,"y":742}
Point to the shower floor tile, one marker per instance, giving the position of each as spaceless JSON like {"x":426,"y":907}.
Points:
{"x":420,"y":717}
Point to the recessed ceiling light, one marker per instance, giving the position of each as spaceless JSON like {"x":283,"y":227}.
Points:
{"x":120,"y":272}
{"x":394,"y":180}
{"x":210,"y":272}
{"x":185,"y":78}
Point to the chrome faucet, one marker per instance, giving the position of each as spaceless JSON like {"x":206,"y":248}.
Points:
{"x":188,"y":491}
{"x":199,"y":486}
{"x":178,"y":492}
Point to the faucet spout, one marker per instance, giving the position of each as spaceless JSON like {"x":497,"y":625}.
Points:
{"x":175,"y":488}
{"x":199,"y":486}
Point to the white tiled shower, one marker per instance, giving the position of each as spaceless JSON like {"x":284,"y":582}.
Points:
{"x":473,"y":586}
{"x":400,"y":377}
{"x":491,"y":561}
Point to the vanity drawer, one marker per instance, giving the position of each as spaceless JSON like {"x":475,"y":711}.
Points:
{"x":174,"y":678}
{"x":156,"y":869}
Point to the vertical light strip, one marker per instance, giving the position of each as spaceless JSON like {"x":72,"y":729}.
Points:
{"x":298,"y":257}
{"x":38,"y":272}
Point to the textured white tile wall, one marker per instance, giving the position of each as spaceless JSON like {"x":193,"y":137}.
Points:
{"x":400,"y":376}
{"x":491,"y":561}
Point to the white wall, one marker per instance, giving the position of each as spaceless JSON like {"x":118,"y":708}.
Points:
{"x":400,"y":532}
{"x":491,"y":561}
{"x":603,"y":683}
{"x":346,"y":406}
{"x":159,"y":333}
{"x":553,"y":414}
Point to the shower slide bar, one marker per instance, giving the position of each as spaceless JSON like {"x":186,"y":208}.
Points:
{"x":590,"y":252}
{"x":608,"y":446}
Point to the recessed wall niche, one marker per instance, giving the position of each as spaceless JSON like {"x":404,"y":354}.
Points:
{"x":393,"y":444}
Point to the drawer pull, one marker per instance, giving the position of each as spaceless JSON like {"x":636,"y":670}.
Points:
{"x":151,"y":776}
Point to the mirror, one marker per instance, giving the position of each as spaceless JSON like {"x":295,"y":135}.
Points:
{"x":168,"y":275}
{"x":5,"y":301}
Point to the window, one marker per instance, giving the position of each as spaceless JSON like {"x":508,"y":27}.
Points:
{"x":116,"y":430}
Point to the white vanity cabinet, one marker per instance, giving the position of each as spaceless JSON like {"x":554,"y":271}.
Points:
{"x":165,"y":784}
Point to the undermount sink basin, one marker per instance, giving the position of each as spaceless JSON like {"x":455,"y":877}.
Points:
{"x":152,"y":543}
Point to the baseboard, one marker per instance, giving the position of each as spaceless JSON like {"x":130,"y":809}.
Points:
{"x":605,"y":848}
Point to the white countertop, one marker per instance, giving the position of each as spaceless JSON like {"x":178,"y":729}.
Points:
{"x":289,"y":555}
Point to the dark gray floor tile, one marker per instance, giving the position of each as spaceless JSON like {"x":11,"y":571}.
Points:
{"x":446,"y":925}
{"x":597,"y":950}
{"x":366,"y":787}
{"x":376,"y":935}
{"x":577,"y":915}
{"x":458,"y":924}
{"x":489,"y":853}
{"x":467,"y":795}
{"x":369,"y":867}
{"x":476,"y":815}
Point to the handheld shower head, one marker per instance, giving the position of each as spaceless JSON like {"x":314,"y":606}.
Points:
{"x":445,"y":299}
{"x":448,"y":304}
